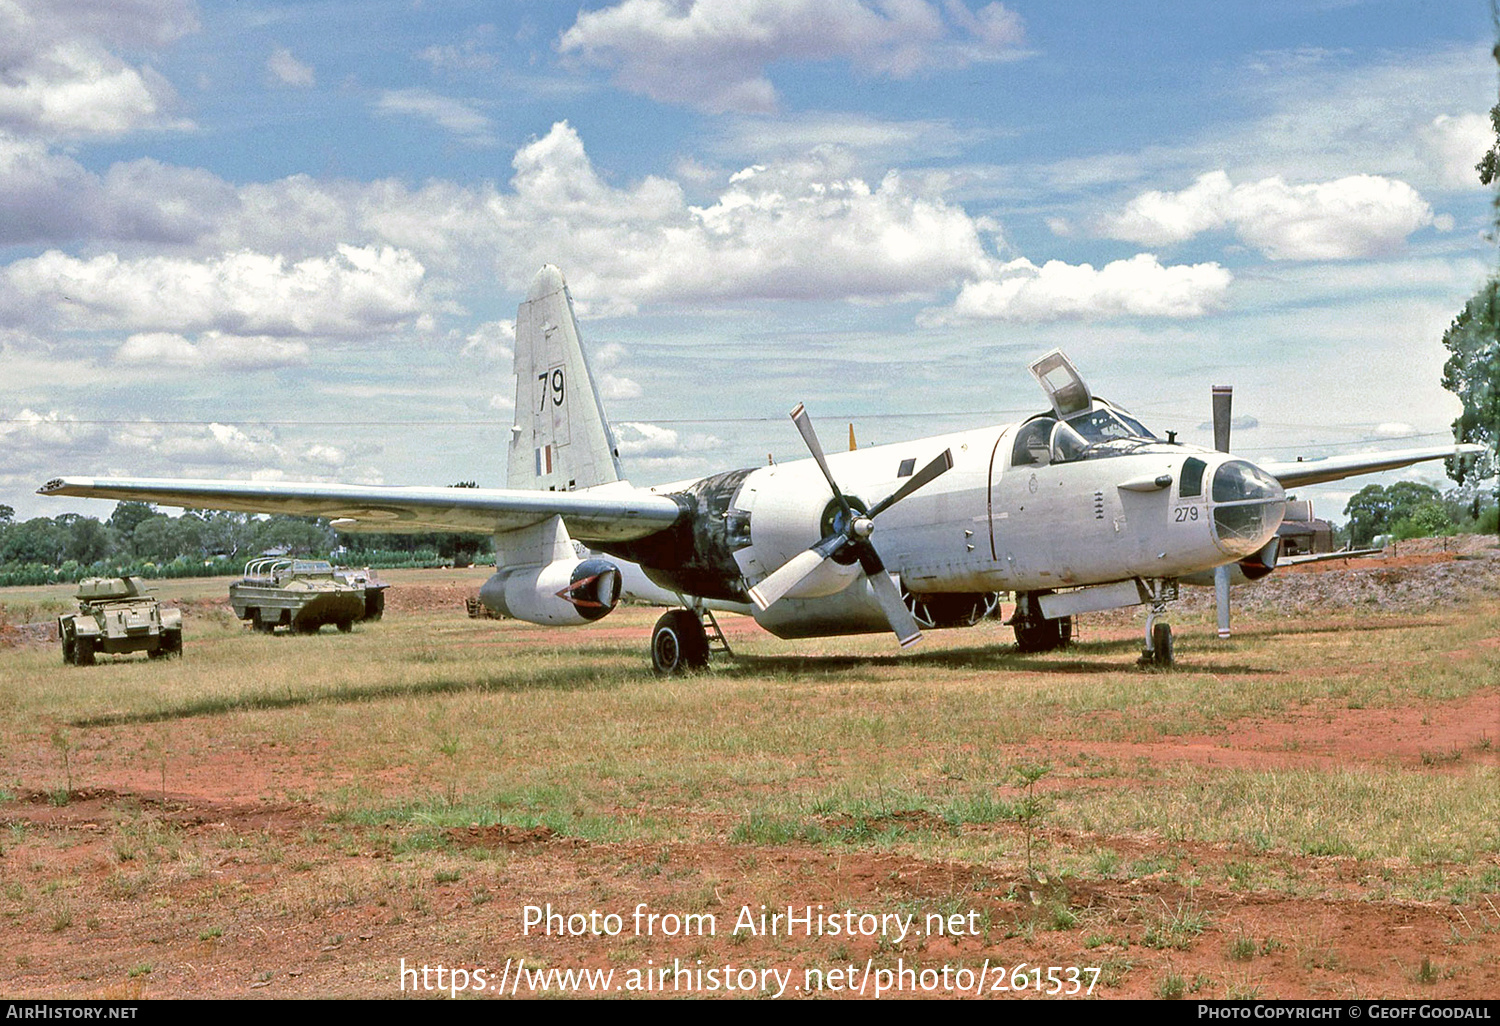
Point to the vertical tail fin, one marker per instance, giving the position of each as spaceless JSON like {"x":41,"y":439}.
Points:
{"x":560,"y":440}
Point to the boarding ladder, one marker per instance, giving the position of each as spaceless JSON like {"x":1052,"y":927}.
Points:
{"x":716,"y":640}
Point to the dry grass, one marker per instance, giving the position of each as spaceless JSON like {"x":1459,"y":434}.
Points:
{"x":426,"y":723}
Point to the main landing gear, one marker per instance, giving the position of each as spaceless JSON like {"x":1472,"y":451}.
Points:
{"x":682,"y":640}
{"x":1036,"y":633}
{"x":1158,"y":651}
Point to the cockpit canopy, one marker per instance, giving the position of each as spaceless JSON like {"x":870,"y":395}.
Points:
{"x":1102,"y":430}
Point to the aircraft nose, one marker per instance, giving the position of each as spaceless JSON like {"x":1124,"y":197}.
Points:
{"x":1248,"y":506}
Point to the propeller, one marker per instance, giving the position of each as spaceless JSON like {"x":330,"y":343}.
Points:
{"x":850,"y":533}
{"x":1223,"y":402}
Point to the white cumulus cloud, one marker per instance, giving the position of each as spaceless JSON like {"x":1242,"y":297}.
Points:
{"x":34,"y":444}
{"x":713,"y":54}
{"x":60,"y":79}
{"x":1357,"y":216}
{"x":1455,"y":144}
{"x":491,"y":342}
{"x":355,"y":291}
{"x":49,"y":198}
{"x":794,"y":230}
{"x":1138,"y":287}
{"x":213,"y":350}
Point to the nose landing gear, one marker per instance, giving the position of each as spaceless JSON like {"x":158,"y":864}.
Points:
{"x":1158,"y":651}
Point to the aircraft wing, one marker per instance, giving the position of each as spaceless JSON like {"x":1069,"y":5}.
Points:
{"x":608,"y":513}
{"x":1324,"y":557}
{"x":1310,"y":472}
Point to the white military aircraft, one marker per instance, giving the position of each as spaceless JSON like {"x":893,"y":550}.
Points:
{"x":1077,"y":509}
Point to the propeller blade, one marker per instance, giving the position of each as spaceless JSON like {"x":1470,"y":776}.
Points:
{"x":856,"y":531}
{"x":891,"y":603}
{"x":804,"y":425}
{"x":1223,"y":404}
{"x":939,"y":466}
{"x":1221,"y":598}
{"x":791,"y":573}
{"x":1223,"y":398}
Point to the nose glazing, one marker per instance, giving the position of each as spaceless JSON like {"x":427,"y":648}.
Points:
{"x":1248,"y":506}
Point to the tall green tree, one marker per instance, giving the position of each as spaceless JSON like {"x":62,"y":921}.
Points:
{"x":1473,"y":339}
{"x":128,"y":516}
{"x":88,"y":540}
{"x":1473,"y":374}
{"x":1376,"y":509}
{"x":38,"y":540}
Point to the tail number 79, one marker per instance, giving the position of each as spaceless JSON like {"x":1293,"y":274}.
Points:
{"x":552,"y":384}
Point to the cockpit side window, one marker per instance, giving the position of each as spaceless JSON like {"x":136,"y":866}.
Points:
{"x":1192,"y":477}
{"x":1033,"y":443}
{"x":1067,"y":444}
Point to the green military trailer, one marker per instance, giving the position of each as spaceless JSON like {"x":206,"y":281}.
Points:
{"x":301,"y":594}
{"x":117,"y":615}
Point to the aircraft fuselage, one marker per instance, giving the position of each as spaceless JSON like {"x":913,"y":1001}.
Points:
{"x":1001,"y":520}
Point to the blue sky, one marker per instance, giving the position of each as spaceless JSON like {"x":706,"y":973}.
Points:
{"x":287,"y":241}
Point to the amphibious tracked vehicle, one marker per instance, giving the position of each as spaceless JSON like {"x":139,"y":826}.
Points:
{"x":300,"y":594}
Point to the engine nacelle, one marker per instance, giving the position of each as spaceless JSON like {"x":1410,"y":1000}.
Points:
{"x":1262,"y":562}
{"x":790,"y":510}
{"x":1252,"y":568}
{"x":566,"y":593}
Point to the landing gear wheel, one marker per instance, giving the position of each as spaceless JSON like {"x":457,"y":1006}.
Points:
{"x":1160,"y":653}
{"x":1042,"y":635}
{"x":678,"y":644}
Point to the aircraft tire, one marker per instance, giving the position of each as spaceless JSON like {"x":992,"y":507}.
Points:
{"x":1161,"y":642}
{"x":1041,"y":635}
{"x":678,"y":644}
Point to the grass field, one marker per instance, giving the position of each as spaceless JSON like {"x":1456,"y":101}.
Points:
{"x":1307,"y":810}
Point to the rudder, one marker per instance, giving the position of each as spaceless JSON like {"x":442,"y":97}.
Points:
{"x":561,"y":440}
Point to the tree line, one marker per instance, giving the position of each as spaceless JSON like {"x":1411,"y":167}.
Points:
{"x":1409,"y":509}
{"x":137,"y":539}
{"x":1473,"y":342}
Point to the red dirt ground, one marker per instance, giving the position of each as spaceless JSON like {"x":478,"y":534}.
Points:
{"x":272,"y":872}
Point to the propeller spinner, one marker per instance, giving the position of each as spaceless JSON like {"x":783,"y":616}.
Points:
{"x":851,"y":533}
